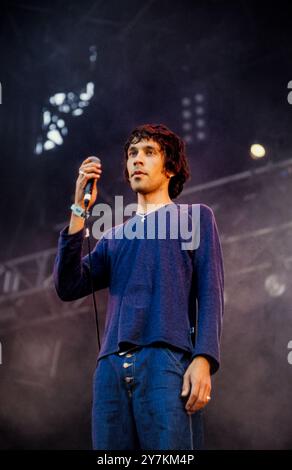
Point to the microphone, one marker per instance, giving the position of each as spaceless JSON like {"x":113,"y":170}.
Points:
{"x":89,"y":185}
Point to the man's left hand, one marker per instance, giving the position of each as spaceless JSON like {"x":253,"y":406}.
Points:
{"x":197,"y":382}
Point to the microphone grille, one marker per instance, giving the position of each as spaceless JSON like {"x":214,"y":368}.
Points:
{"x":94,"y":159}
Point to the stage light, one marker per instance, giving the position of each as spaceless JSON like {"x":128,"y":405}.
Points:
{"x":55,"y":136}
{"x":60,"y":123}
{"x":92,"y":54}
{"x":186,"y":101}
{"x":199,"y":110}
{"x":187,"y":126}
{"x":201,"y":135}
{"x":188,"y":138}
{"x":49,"y":145}
{"x":89,"y":92}
{"x":275,"y":285}
{"x":200,"y":123}
{"x":66,"y":103}
{"x":199,"y":97}
{"x":46,"y":118}
{"x":186,"y":114}
{"x":193,"y":109}
{"x":77,"y":112}
{"x":64,"y":131}
{"x":38,"y":148}
{"x":65,"y":108}
{"x":57,"y":99}
{"x":71,"y":96}
{"x":257,"y":151}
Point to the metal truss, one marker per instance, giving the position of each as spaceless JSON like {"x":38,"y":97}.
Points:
{"x":27,"y":293}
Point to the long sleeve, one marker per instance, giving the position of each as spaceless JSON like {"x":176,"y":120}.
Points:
{"x":71,"y":271}
{"x":209,"y":281}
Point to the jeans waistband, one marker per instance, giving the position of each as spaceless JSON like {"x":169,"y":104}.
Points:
{"x":134,"y":348}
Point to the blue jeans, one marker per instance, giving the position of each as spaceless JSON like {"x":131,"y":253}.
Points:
{"x":137,"y":403}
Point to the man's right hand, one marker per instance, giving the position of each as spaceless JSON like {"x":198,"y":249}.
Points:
{"x":91,"y":170}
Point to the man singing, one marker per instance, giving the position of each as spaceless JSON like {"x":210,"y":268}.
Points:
{"x":161,"y":342}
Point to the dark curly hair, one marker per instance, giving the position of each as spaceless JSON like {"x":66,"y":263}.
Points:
{"x":173,"y":148}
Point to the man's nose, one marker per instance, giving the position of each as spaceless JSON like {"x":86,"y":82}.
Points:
{"x":138,"y":158}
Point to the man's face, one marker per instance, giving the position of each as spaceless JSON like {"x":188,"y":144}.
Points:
{"x":147,"y":157}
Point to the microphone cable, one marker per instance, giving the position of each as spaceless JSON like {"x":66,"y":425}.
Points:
{"x":87,"y":235}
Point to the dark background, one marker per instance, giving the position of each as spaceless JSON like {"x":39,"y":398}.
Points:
{"x":149,"y":55}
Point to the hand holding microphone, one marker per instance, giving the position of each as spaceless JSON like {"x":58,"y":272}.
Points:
{"x":86,"y":184}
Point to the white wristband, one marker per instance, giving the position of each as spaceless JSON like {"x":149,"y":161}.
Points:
{"x":77,"y":210}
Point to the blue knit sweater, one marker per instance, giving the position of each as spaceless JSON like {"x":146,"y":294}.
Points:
{"x":157,"y":290}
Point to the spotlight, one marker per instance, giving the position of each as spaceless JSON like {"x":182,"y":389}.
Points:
{"x":49,"y":145}
{"x":77,"y":112}
{"x":46,"y":118}
{"x":199,"y":110}
{"x":60,"y":123}
{"x":55,"y":136}
{"x":199,"y":97}
{"x":92,"y":54}
{"x":89,"y":92}
{"x":193,"y":116}
{"x":275,"y":285}
{"x":65,"y":108}
{"x":58,"y":99}
{"x":74,"y":104}
{"x":186,"y":101}
{"x":257,"y":151}
{"x":38,"y":148}
{"x":187,"y":126}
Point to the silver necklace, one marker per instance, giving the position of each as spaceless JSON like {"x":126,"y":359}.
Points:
{"x":143,"y":215}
